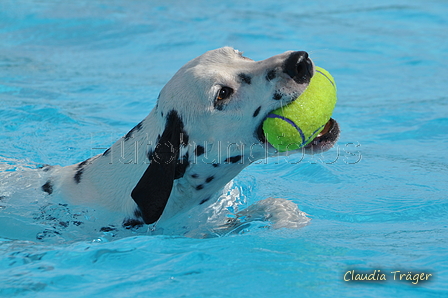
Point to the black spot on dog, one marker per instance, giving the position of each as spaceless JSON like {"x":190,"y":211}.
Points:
{"x":181,"y":166}
{"x":271,"y":75}
{"x":138,"y":127}
{"x":48,"y":187}
{"x":80,"y":171}
{"x":77,"y":223}
{"x":245,"y":78}
{"x":199,"y":150}
{"x":153,"y":190}
{"x":130,"y":223}
{"x":204,"y":200}
{"x":215,"y":165}
{"x":277,"y":96}
{"x":106,"y":153}
{"x":108,"y":229}
{"x":233,"y":159}
{"x":194,"y":175}
{"x":78,"y":175}
{"x":199,"y":187}
{"x":209,"y":179}
{"x":257,"y":111}
{"x":82,"y":164}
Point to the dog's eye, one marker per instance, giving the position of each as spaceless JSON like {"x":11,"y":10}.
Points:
{"x":224,"y":93}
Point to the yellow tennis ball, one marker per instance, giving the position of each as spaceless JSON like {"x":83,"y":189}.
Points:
{"x":295,"y":125}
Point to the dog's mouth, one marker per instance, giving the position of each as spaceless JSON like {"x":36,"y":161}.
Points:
{"x":324,"y":141}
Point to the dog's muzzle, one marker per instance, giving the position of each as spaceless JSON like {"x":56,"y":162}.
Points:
{"x":299,"y":67}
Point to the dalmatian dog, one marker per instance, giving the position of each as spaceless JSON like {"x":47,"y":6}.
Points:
{"x":204,"y":129}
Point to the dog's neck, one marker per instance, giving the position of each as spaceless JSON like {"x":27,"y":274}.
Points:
{"x":109,"y":179}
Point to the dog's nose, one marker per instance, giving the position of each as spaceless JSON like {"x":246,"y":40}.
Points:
{"x":299,"y":67}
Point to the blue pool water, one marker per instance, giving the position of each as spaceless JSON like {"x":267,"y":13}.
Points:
{"x":77,"y":75}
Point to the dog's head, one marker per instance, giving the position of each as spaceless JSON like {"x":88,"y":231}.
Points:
{"x":211,"y":112}
{"x":224,"y":96}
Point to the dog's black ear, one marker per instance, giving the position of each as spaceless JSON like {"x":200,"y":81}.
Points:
{"x":154,"y":188}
